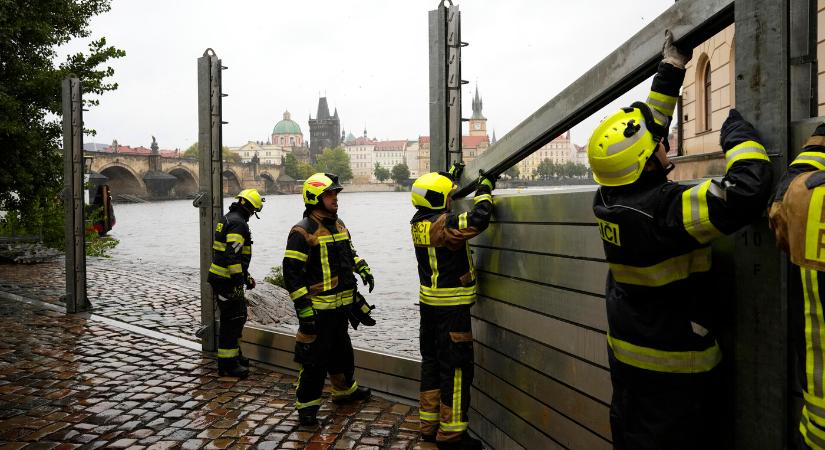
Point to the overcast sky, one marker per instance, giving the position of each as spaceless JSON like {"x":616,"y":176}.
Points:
{"x":370,"y":58}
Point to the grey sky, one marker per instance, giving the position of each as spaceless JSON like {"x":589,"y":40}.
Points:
{"x":369,"y":57}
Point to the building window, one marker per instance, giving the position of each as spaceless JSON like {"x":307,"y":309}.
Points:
{"x":292,"y":140}
{"x":704,"y":91}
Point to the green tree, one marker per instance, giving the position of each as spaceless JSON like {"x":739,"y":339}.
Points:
{"x":400,"y":174}
{"x":230,"y":156}
{"x":381,"y":173}
{"x":291,"y":166}
{"x":513,"y":172}
{"x":192,"y":151}
{"x":546,"y":169}
{"x":30,"y":101}
{"x":334,"y":160}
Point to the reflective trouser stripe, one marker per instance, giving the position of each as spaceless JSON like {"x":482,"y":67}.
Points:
{"x":228,"y":352}
{"x":346,"y":392}
{"x":219,"y":271}
{"x":299,"y":405}
{"x":746,"y":150}
{"x":696,"y":215}
{"x":814,"y":329}
{"x":456,"y":425}
{"x":428,"y":416}
{"x":665,"y":361}
{"x":665,"y":272}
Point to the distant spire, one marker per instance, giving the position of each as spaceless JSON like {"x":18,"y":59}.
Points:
{"x":323,"y":109}
{"x":335,"y":115}
{"x":287,"y":115}
{"x":477,"y":107}
{"x":365,"y":130}
{"x":494,"y":136}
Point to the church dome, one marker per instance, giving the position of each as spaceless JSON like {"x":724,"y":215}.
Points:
{"x":287,"y":126}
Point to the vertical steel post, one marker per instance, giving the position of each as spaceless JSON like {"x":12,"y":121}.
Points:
{"x":761,"y":314}
{"x":74,"y":225}
{"x":438,"y":88}
{"x":210,"y":198}
{"x":454,"y":83}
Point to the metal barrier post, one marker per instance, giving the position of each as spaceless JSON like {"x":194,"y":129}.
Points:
{"x":761,"y":332}
{"x":210,"y":198}
{"x":74,"y":224}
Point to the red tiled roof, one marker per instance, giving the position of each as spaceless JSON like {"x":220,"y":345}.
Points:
{"x":127,"y":150}
{"x":423,"y":139}
{"x":390,"y":145}
{"x":473,"y":141}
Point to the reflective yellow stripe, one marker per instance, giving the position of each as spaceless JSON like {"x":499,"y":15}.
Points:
{"x":433,"y":266}
{"x":814,"y":437}
{"x":220,"y":246}
{"x":665,"y":361}
{"x":667,"y":271}
{"x":299,"y":405}
{"x":746,"y":150}
{"x":447,"y":292}
{"x":428,"y":416}
{"x":296,"y":255}
{"x":470,"y":262}
{"x":247,"y":250}
{"x":446,"y":301}
{"x":346,"y":392}
{"x":219,"y":271}
{"x":325,"y":270}
{"x":235,"y":268}
{"x":662,"y":103}
{"x":816,"y":408}
{"x":814,"y":334}
{"x":816,"y":159}
{"x":462,"y":221}
{"x":482,"y":198}
{"x":306,"y":312}
{"x":234,"y":237}
{"x":815,"y":227}
{"x":455,"y":424}
{"x":298,"y":293}
{"x":337,"y":237}
{"x":332,"y":301}
{"x":228,"y":352}
{"x":695,"y":213}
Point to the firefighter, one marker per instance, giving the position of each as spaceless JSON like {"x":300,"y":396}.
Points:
{"x":797,"y":217}
{"x":318,"y":268}
{"x":446,"y":293}
{"x":661,"y":314}
{"x":229,"y":273}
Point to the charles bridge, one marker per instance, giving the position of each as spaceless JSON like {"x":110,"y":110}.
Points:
{"x":155,"y":176}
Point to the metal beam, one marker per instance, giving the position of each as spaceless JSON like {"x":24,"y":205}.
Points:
{"x":73,"y":200}
{"x":760,"y":353}
{"x":691,"y":21}
{"x":438,"y":88}
{"x":210,"y":198}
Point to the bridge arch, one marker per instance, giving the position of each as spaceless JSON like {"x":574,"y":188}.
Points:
{"x":122,"y":179}
{"x":186,"y":184}
{"x":231,"y":182}
{"x":270,"y":186}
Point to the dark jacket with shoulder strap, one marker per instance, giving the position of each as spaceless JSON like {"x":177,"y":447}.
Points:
{"x":231,"y":251}
{"x":445,"y":265}
{"x":657,"y":238}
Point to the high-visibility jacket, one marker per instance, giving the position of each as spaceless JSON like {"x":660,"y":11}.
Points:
{"x":445,"y":265}
{"x":231,"y":251}
{"x":318,"y":264}
{"x":797,"y":217}
{"x":657,"y":237}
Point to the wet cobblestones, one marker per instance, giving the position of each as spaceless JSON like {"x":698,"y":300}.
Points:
{"x":167,"y":299}
{"x":69,"y":382}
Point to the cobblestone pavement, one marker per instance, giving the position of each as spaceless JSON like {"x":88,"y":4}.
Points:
{"x":71,"y":382}
{"x":167,"y":299}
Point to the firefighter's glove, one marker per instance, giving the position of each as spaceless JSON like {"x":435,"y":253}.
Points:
{"x":673,"y":55}
{"x":456,"y":170}
{"x":237,"y":293}
{"x":364,"y":271}
{"x":736,"y":130}
{"x":360,"y":311}
{"x":486,"y":180}
{"x":250,"y":282}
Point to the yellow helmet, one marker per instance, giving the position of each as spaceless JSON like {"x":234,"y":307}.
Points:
{"x":431,"y":190}
{"x":317,"y":184}
{"x":621,"y":145}
{"x":253,"y":197}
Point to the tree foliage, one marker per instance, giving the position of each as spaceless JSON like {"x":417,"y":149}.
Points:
{"x":382,"y":173}
{"x":334,"y":160}
{"x":513,"y":172}
{"x":193,"y":151}
{"x":400,"y":174}
{"x":547,"y":169}
{"x":30,"y":97}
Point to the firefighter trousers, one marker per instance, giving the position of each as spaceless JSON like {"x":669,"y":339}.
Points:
{"x":446,"y":341}
{"x":666,"y":411}
{"x":232,"y":306}
{"x":329,"y":352}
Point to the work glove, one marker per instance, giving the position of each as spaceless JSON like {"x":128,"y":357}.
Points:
{"x":673,"y":55}
{"x":456,"y":170}
{"x":364,"y":271}
{"x":736,"y":130}
{"x":359,"y":312}
{"x":486,"y":180}
{"x":250,"y":282}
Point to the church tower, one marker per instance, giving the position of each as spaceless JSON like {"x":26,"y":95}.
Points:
{"x":478,"y":123}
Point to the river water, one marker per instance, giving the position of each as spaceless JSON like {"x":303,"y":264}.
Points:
{"x":166,"y":234}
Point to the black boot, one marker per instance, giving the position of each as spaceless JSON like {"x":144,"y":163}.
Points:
{"x":229,"y":367}
{"x":466,"y":442}
{"x":243,"y":360}
{"x":360,"y":393}
{"x":307,"y":416}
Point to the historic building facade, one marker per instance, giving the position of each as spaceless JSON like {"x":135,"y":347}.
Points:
{"x":361,"y":157}
{"x":324,"y":130}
